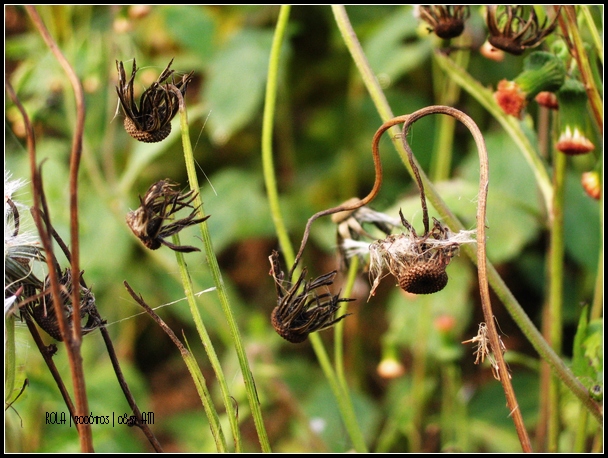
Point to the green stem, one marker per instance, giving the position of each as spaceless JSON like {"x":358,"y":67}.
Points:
{"x":191,"y":364}
{"x":254,"y":401}
{"x":556,"y":290}
{"x":267,"y":131}
{"x":344,"y":403}
{"x":353,"y":271}
{"x":446,"y":93}
{"x":595,"y":36}
{"x":597,"y":105}
{"x":208,"y":345}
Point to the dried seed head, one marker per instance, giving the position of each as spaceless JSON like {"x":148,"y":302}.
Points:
{"x":423,"y":278}
{"x":417,"y":262}
{"x":516,"y":28}
{"x":301,"y":309}
{"x":447,"y":21}
{"x":149,"y":120}
{"x":44,"y":312}
{"x":146,"y":137}
{"x":154,"y":219}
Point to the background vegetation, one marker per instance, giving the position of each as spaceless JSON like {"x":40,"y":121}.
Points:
{"x":438,"y":399}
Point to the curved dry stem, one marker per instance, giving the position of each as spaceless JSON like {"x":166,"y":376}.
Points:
{"x":73,"y":341}
{"x":481,"y":252}
{"x":367,"y":199}
{"x":44,"y":232}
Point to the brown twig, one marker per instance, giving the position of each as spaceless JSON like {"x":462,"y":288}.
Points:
{"x":355,"y":205}
{"x":74,"y":341}
{"x":494,"y":338}
{"x":45,"y":238}
{"x":145,"y":428}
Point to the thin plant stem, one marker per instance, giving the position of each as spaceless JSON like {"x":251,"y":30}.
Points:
{"x":73,"y":339}
{"x":209,"y":349}
{"x":516,"y":311}
{"x":570,"y":29}
{"x":195,"y":372}
{"x":353,"y":271}
{"x":43,"y":227}
{"x":338,"y":388}
{"x":511,"y":125}
{"x":481,"y":257}
{"x":556,"y":291}
{"x":592,"y":29}
{"x":250,"y":388}
{"x":267,"y":131}
{"x":446,"y":93}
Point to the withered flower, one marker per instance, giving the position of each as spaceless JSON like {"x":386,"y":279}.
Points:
{"x":150,"y":122}
{"x":515,"y":28}
{"x":158,"y":205}
{"x":417,"y":262}
{"x":43,"y":311}
{"x":300,"y":309}
{"x":350,"y":224}
{"x":447,"y":21}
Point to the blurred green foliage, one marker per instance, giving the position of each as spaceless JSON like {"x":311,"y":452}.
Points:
{"x":323,"y":130}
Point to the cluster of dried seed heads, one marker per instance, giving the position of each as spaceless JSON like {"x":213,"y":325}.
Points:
{"x":149,"y":221}
{"x":300,"y":308}
{"x":32,"y":297}
{"x":150,"y":121}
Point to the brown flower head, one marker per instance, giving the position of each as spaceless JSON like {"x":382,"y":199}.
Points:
{"x":43,"y":311}
{"x":158,"y":206}
{"x":300,"y":309}
{"x":417,"y":262}
{"x":447,"y":21}
{"x":150,"y":122}
{"x":515,"y":28}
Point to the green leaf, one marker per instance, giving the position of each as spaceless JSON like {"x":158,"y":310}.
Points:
{"x":235,"y":88}
{"x":192,"y":27}
{"x":237,"y":206}
{"x":386,"y":51}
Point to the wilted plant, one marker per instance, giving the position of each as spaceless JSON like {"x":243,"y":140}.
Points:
{"x":150,"y":120}
{"x":159,"y":204}
{"x":301,"y":309}
{"x":516,"y":28}
{"x":447,"y":21}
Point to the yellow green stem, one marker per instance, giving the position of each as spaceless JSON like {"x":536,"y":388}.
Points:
{"x":250,"y":388}
{"x":344,"y":403}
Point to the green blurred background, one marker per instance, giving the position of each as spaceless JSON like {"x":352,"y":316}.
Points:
{"x":324,"y":125}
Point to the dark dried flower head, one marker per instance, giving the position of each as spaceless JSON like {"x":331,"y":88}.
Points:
{"x":300,"y":309}
{"x":515,"y":28}
{"x":159,"y":204}
{"x":417,"y":262}
{"x":150,"y":122}
{"x":447,"y":21}
{"x":43,"y":311}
